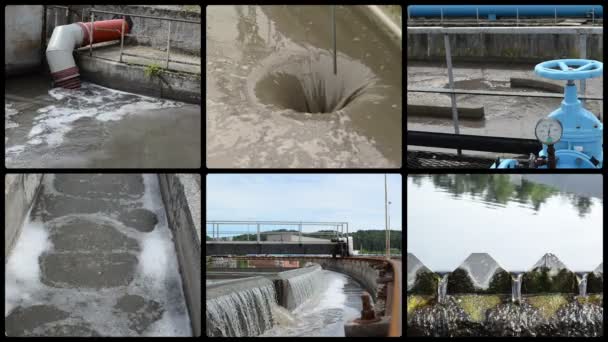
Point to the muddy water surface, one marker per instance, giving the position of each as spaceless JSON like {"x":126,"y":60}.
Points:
{"x":273,"y":100}
{"x":96,"y":127}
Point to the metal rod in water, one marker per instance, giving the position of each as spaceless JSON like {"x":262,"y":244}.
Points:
{"x":333,"y":29}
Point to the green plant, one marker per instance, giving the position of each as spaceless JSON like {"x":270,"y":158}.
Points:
{"x":153,"y":70}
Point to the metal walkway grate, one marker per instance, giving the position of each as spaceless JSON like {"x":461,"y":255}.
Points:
{"x":425,"y":159}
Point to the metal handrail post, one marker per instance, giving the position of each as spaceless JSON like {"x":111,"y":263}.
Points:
{"x":91,"y":34}
{"x":122,"y":38}
{"x":300,"y":235}
{"x":555,"y":18}
{"x":168,"y":44}
{"x":258,"y":232}
{"x":583,"y":55}
{"x":448,"y":58}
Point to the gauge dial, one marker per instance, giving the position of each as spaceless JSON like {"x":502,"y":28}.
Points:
{"x":548,"y":131}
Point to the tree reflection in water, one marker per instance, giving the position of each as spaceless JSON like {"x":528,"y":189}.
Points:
{"x":499,"y":190}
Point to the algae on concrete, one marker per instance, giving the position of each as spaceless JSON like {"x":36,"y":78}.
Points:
{"x":548,"y":304}
{"x":476,"y":306}
{"x":417,"y":302}
{"x":595,"y":299}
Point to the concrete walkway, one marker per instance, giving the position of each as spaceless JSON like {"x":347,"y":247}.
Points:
{"x":112,"y":52}
{"x":108,"y":266}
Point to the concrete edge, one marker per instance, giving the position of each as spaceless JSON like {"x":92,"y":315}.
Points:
{"x":536,"y":84}
{"x":473,"y":113}
{"x":23,"y":190}
{"x":132,"y":78}
{"x":378,"y":17}
{"x":187,"y":245}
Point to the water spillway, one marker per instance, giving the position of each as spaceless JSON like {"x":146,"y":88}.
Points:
{"x":242,"y":311}
{"x":300,"y":285}
{"x":316,"y":300}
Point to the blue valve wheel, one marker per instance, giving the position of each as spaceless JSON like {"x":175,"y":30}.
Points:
{"x":569,"y":69}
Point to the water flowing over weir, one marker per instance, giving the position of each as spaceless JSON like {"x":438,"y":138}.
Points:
{"x":243,"y":313}
{"x":303,"y":287}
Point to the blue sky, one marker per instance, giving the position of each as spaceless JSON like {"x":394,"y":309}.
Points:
{"x":354,"y":198}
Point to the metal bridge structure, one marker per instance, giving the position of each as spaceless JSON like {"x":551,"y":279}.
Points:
{"x":277,"y":237}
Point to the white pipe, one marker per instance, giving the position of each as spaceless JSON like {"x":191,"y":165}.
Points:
{"x":59,"y":56}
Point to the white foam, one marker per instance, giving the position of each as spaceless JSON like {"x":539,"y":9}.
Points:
{"x":157,"y":277}
{"x":153,"y":258}
{"x":103,"y":104}
{"x":22,"y":269}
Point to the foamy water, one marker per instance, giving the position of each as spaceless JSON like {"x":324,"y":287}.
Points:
{"x":321,"y":315}
{"x":157,"y":276}
{"x":53,"y":122}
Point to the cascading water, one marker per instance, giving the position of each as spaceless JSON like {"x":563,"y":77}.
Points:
{"x":442,"y":289}
{"x":303,"y":287}
{"x":243,"y":313}
{"x":582,"y":285}
{"x":516,"y":289}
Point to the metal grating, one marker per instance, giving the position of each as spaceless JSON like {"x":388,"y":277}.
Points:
{"x":425,"y":159}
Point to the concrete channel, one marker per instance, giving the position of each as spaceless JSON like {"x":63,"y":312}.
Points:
{"x":102,"y":255}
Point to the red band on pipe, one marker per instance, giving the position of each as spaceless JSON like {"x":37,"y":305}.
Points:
{"x":103,"y":31}
{"x":65,"y":73}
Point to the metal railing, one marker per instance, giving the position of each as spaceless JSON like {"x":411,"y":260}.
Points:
{"x":92,"y":12}
{"x":517,"y":20}
{"x":122,"y":35}
{"x":582,"y":32}
{"x":263,"y":229}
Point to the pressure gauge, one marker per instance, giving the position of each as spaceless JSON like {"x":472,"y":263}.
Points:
{"x":548,"y":131}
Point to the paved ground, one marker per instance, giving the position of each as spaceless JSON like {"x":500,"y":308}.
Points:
{"x":110,"y":268}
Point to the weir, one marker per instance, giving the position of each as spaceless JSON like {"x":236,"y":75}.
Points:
{"x":241,"y":308}
{"x":293,"y":288}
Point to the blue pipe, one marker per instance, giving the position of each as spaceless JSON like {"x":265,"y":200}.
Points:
{"x":504,"y":10}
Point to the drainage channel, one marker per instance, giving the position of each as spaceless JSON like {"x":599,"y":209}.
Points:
{"x":95,"y":257}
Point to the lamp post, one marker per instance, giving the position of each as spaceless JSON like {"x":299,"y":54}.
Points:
{"x":386,"y":217}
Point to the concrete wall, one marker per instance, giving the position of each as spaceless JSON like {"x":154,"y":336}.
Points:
{"x":20,"y":191}
{"x":182,"y":201}
{"x":364,"y":272}
{"x":532,"y":48}
{"x":22,"y":38}
{"x":132,"y":78}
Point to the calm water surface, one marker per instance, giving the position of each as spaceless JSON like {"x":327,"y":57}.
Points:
{"x":515,"y":220}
